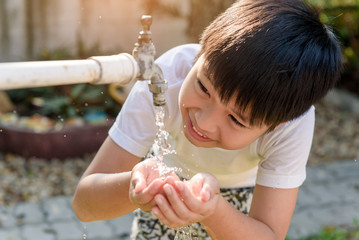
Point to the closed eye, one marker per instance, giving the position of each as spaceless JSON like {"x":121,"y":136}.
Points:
{"x":203,"y":88}
{"x":236,"y":121}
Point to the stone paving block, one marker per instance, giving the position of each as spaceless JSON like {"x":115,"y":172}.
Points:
{"x":324,"y":194}
{"x":337,"y":215}
{"x":344,"y":214}
{"x":303,"y":225}
{"x":305,"y":199}
{"x":345,"y":169}
{"x":68,"y":230}
{"x":29,"y":213}
{"x":7,"y":217}
{"x":319,"y":174}
{"x":122,"y":226}
{"x":10,"y":234}
{"x":348,"y":190}
{"x":38,"y":231}
{"x":58,"y":208}
{"x":97,"y":230}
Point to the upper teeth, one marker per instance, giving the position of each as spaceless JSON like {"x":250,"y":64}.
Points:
{"x":194,"y":128}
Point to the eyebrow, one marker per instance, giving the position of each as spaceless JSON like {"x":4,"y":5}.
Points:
{"x":204,"y":73}
{"x":236,"y":111}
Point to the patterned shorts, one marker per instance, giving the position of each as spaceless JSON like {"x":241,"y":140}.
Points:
{"x":146,"y":226}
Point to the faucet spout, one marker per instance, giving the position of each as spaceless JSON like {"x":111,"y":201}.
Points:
{"x":158,"y":86}
{"x":144,"y":53}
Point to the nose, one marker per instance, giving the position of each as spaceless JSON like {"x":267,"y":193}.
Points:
{"x":207,"y":119}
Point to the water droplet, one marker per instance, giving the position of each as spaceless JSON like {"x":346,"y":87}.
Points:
{"x":86,"y":104}
{"x":101,"y":92}
{"x":64,"y":135}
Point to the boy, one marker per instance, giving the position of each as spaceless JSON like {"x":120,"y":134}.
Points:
{"x":240,"y":117}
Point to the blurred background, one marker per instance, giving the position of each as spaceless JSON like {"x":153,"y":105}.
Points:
{"x":36,"y":30}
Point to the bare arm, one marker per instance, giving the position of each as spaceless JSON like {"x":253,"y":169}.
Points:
{"x":269,"y":217}
{"x":103,"y":191}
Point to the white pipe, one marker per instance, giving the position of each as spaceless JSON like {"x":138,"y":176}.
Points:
{"x":121,"y":69}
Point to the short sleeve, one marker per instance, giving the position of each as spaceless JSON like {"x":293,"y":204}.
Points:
{"x":135,"y":129}
{"x":285,"y":151}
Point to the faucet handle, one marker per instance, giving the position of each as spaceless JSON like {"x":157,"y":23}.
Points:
{"x":145,"y":34}
{"x":146,"y":21}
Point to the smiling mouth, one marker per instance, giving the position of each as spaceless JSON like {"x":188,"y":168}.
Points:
{"x":199,"y":133}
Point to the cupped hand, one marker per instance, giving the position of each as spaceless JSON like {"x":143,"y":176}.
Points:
{"x":146,"y":182}
{"x":187,"y":202}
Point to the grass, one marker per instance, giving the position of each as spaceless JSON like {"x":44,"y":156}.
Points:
{"x":336,"y":233}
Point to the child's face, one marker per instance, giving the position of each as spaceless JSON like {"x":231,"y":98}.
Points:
{"x":207,"y":122}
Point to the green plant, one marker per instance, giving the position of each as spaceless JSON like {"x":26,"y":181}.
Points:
{"x":64,"y":102}
{"x":336,"y":233}
{"x":343,"y":17}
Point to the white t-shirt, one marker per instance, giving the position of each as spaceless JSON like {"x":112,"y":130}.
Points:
{"x":276,"y":159}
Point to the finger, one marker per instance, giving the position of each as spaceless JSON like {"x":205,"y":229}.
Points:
{"x":168,"y":217}
{"x":196,"y":185}
{"x":188,"y":197}
{"x":138,"y":183}
{"x":209,"y":185}
{"x":176,"y":202}
{"x":157,"y":212}
{"x":206,"y":193}
{"x":170,"y":180}
{"x":154,"y":187}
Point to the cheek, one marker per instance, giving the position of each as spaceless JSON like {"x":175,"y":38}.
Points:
{"x":240,"y":139}
{"x":182,"y":104}
{"x":186,"y":97}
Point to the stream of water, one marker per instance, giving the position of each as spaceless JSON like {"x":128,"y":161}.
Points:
{"x":163,"y":149}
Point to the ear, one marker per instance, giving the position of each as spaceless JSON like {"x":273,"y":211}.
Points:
{"x":279,"y":125}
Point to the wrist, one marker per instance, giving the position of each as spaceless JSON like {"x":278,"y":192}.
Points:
{"x":216,"y":215}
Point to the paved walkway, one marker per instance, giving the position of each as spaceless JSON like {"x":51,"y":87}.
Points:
{"x":330,"y":196}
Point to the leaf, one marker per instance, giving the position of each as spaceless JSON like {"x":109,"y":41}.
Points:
{"x":77,"y":90}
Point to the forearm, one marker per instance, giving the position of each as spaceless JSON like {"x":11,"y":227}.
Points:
{"x":229,"y":223}
{"x":102,"y":196}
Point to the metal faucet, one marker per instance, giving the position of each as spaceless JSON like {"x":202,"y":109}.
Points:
{"x":144,"y":53}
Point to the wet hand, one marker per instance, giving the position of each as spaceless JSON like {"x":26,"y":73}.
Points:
{"x":187,"y":202}
{"x":146,"y":183}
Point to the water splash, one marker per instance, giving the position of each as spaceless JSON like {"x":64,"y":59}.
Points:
{"x":84,"y":234}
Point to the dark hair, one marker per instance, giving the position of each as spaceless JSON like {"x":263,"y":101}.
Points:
{"x":275,"y":56}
